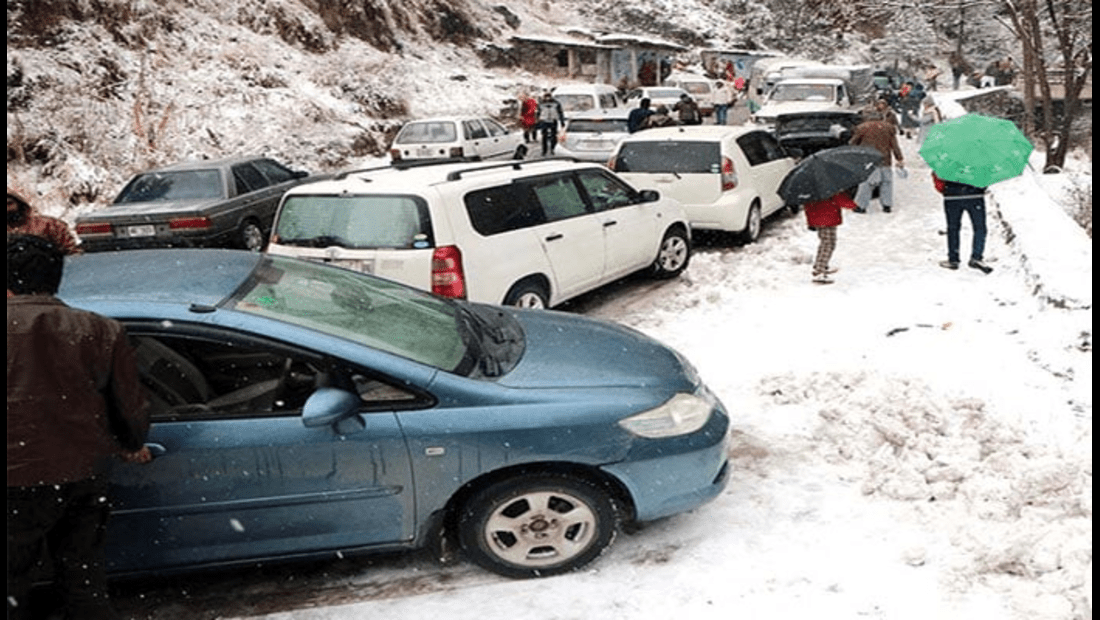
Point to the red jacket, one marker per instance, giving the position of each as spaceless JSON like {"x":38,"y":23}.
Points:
{"x":826,"y":213}
{"x":528,"y":109}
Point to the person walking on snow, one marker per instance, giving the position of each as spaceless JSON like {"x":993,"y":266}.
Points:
{"x":824,"y":216}
{"x":550,"y":117}
{"x":959,"y":198}
{"x":528,"y":116}
{"x":724,"y":98}
{"x":884,"y":137}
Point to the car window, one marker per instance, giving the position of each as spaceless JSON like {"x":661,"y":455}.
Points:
{"x":173,"y":185}
{"x":576,"y":103}
{"x":223,"y":376}
{"x":679,"y":156}
{"x":760,"y":148}
{"x":373,"y":312}
{"x":608,"y":100}
{"x":473,"y":130}
{"x":605,"y":191}
{"x":432,"y":132}
{"x":495,"y":210}
{"x":355,"y":221}
{"x":275,"y":172}
{"x":248,"y":179}
{"x":559,"y":197}
{"x":495,"y":128}
{"x":597,"y":125}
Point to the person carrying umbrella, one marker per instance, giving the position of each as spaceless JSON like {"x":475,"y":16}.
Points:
{"x":967,"y":155}
{"x":824,"y":216}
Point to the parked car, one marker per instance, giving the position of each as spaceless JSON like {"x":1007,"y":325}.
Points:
{"x":531,"y":234}
{"x":302,"y":410}
{"x":210,"y":203}
{"x":804,"y":133}
{"x":658,"y":95}
{"x":581,"y":98}
{"x":804,"y":95}
{"x":726,"y":177}
{"x":593,"y":136}
{"x":459,"y":137}
{"x":699,"y":87}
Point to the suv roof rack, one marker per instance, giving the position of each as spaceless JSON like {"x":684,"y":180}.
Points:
{"x":514,"y":164}
{"x":400,"y":165}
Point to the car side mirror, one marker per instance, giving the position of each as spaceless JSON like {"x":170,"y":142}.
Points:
{"x":331,"y":406}
{"x":649,"y":195}
{"x":300,"y":174}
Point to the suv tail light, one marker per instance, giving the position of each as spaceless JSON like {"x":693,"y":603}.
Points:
{"x":395,"y":154}
{"x":729,"y":175}
{"x":93,"y":228}
{"x":448,"y":279}
{"x":189,"y":223}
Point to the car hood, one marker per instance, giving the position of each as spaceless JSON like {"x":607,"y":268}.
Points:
{"x":147,"y":209}
{"x":564,"y":350}
{"x":772,"y":110}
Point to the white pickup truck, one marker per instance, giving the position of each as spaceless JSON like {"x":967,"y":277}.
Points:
{"x":804,"y":95}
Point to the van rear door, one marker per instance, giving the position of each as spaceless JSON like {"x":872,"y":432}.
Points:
{"x":385,"y":235}
{"x":689,"y":171}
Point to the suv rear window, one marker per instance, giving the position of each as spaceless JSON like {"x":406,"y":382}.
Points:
{"x":427,"y":132}
{"x":596,"y":125}
{"x":670,"y":156}
{"x":355,"y":222}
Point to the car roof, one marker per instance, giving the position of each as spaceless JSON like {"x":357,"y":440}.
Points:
{"x":405,"y":178}
{"x":802,"y":80}
{"x":196,"y":277}
{"x":202,"y":164}
{"x":620,"y":113}
{"x":583,"y":88}
{"x":693,"y":132}
{"x":446,"y":119}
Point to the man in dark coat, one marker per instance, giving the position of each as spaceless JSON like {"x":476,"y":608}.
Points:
{"x":637,"y":116}
{"x":959,"y":198}
{"x":550,"y":117}
{"x":74,"y":404}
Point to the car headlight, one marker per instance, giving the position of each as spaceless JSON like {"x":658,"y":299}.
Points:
{"x":680,"y":415}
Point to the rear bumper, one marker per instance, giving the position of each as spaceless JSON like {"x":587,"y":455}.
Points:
{"x":204,"y":240}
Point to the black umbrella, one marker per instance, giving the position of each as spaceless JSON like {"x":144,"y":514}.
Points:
{"x":827,"y":172}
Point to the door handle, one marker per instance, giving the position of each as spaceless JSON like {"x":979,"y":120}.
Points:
{"x":156,"y":449}
{"x":555,"y":237}
{"x":609,"y":223}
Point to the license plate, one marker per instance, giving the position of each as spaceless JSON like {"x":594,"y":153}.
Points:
{"x":597,"y":145}
{"x":424,"y":152}
{"x":145,"y":230}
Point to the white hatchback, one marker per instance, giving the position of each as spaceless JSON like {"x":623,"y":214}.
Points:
{"x":457,"y":137}
{"x":593,"y":136}
{"x":726,"y":177}
{"x":530,"y":234}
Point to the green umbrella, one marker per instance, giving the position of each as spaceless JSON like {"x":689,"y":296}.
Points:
{"x":976,"y":150}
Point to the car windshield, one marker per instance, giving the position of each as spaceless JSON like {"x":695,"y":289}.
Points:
{"x":430,"y":132}
{"x":355,"y":222}
{"x":576,"y":103}
{"x":680,"y":156}
{"x":370,"y":311}
{"x":171,"y":186}
{"x":664,"y":93}
{"x":597,"y":125}
{"x":802,"y":92}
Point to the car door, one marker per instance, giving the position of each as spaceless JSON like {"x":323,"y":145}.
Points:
{"x":768,"y":163}
{"x":236,"y":473}
{"x":499,"y":143}
{"x":477,"y":139}
{"x":629,"y":226}
{"x":571,"y":238}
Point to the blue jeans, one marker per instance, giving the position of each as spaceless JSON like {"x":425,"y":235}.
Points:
{"x":721,"y":110}
{"x":975,"y":208}
{"x":883,"y":178}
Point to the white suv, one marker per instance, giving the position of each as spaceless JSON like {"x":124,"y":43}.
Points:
{"x":726,"y":177}
{"x":530,"y":234}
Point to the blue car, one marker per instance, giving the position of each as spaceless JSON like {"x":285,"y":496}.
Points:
{"x":303,"y":410}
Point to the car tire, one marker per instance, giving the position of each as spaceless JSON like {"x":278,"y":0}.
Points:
{"x":754,"y":223}
{"x":537,"y":526}
{"x":251,"y":237}
{"x":673,"y":255}
{"x":528,"y":294}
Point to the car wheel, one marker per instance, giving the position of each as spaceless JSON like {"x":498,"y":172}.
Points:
{"x":251,"y":236}
{"x":528,"y":295}
{"x":537,"y":526}
{"x":673,"y":255}
{"x":753,"y":224}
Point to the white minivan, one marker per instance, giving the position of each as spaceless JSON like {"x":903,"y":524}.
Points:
{"x":579,"y":98}
{"x":726,"y":177}
{"x":530,"y":234}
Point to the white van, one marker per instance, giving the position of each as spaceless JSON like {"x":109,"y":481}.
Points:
{"x":791,"y":95}
{"x":576,"y":98}
{"x":530,"y":234}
